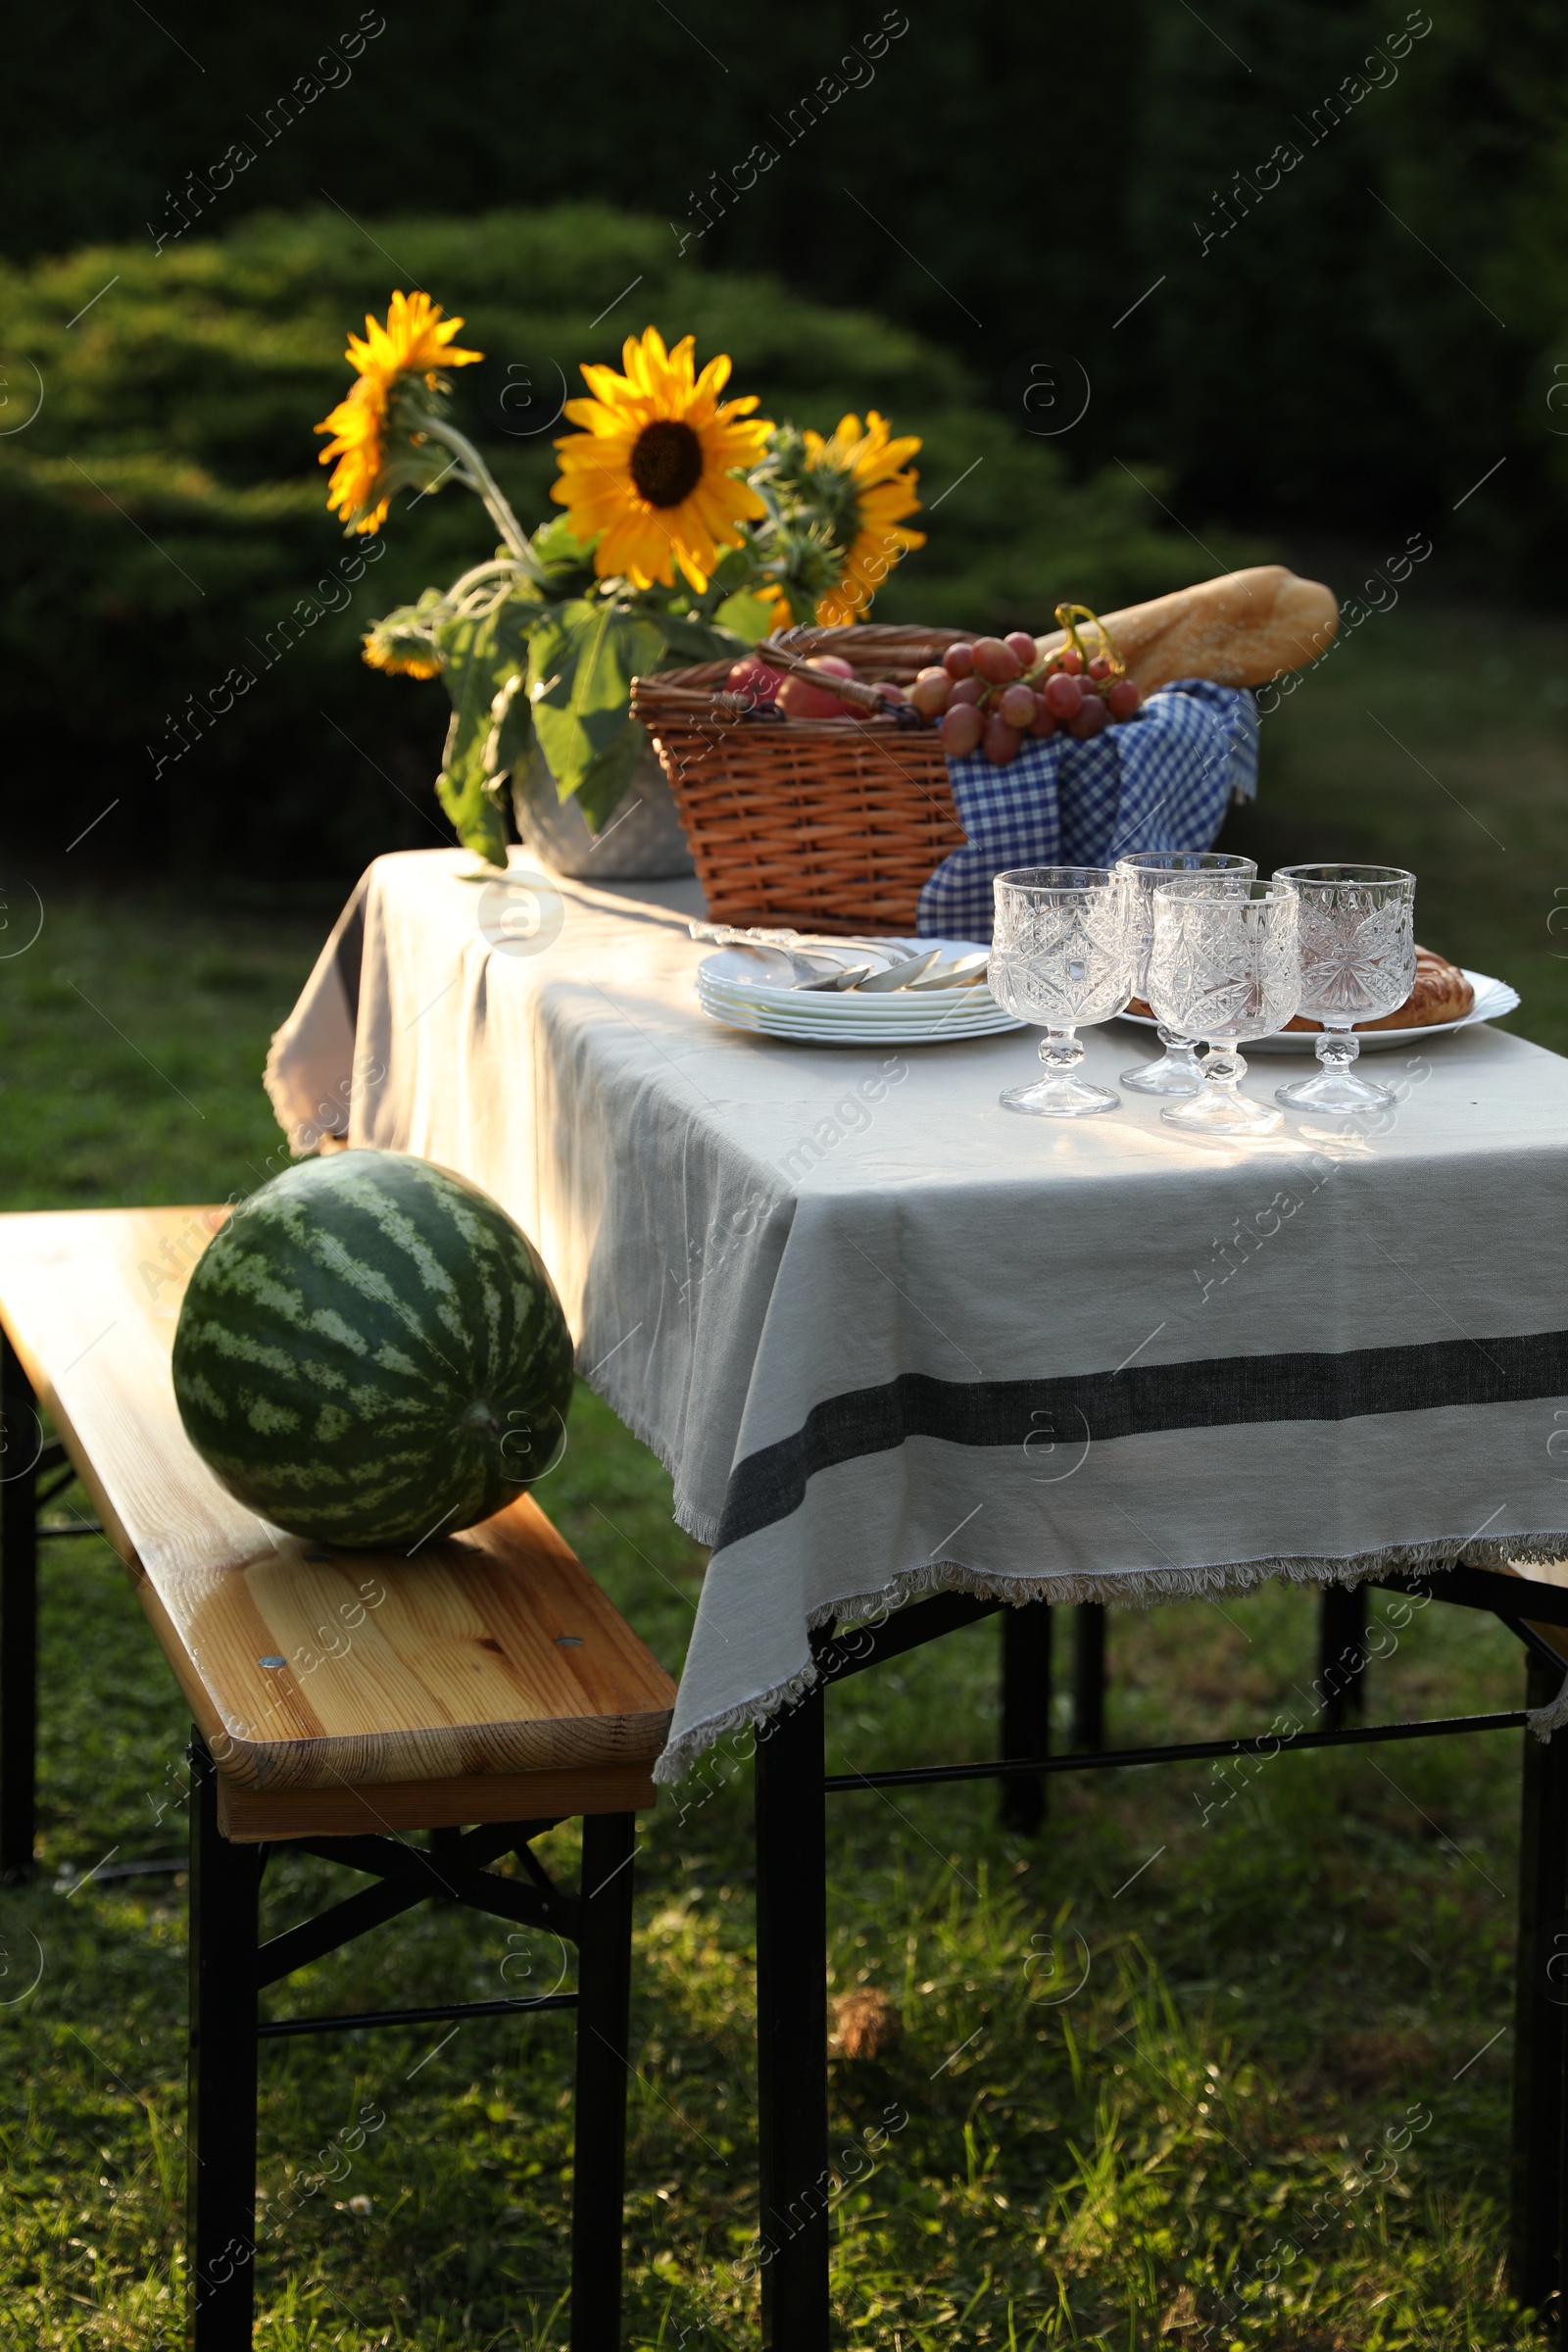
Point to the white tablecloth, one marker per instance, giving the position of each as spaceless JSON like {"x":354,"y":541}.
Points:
{"x":888,"y":1336}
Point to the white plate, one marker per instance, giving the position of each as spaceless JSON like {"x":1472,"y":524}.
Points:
{"x":919,"y":1012}
{"x":1493,"y":998}
{"x":764,"y":1024}
{"x":732,"y":987}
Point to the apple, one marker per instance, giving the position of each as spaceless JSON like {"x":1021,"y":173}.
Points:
{"x":753,"y":677}
{"x":798,"y":698}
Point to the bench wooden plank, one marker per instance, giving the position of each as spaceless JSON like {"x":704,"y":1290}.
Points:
{"x":491,"y":1653}
{"x":251,"y":1816}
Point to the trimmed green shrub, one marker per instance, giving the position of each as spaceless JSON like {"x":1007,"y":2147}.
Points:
{"x":1374,"y":332}
{"x":181,"y":620}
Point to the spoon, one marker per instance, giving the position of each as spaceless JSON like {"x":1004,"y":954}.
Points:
{"x":806,"y":971}
{"x":857,"y":976}
{"x":964,"y":974}
{"x":900,"y":975}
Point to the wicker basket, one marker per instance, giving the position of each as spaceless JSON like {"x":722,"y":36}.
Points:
{"x":831,"y":826}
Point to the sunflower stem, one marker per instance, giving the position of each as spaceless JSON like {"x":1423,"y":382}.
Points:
{"x":479,"y":479}
{"x":497,"y":573}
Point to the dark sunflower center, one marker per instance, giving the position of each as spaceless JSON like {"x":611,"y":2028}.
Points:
{"x":666,"y":462}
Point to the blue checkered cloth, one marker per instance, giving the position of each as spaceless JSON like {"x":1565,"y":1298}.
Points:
{"x":1160,"y":781}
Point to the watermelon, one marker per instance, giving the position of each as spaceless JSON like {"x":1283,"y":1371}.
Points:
{"x":371,"y":1352}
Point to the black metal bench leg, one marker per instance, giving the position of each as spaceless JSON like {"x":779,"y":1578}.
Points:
{"x":1025,"y":1710}
{"x":220,"y":2127}
{"x":1541,"y":2010}
{"x":791,"y":2028}
{"x":604,"y":2059}
{"x":1089,"y":1678}
{"x":21,"y":1439}
{"x":1342,"y":1652}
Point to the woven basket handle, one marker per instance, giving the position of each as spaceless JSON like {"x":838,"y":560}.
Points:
{"x":849,"y":691}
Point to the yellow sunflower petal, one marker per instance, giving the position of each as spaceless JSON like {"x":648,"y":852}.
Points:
{"x":605,"y":387}
{"x":414,"y":340}
{"x":637,"y":545}
{"x":714,"y":376}
{"x":357,"y":425}
{"x":780,"y":615}
{"x":648,"y":352}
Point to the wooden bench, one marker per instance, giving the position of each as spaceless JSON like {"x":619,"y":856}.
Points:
{"x":482,"y":1685}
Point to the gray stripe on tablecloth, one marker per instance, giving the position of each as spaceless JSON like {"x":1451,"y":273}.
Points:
{"x":1222,"y":1391}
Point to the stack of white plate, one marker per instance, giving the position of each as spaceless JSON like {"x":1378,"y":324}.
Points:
{"x":743,"y":992}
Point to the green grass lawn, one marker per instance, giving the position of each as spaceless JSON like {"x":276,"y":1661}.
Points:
{"x":1213,"y":2062}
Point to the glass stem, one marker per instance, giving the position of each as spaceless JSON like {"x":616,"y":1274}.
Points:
{"x":1336,"y":1049}
{"x":1061,"y":1050}
{"x":1183,"y":1051}
{"x":1224,"y":1066}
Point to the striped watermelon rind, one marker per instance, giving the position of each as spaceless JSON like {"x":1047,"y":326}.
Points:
{"x":371,"y":1351}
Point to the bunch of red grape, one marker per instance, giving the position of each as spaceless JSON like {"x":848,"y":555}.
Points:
{"x":991,"y":694}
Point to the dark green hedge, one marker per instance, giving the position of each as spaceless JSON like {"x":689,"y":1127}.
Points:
{"x":1359,"y":350}
{"x":166,"y":533}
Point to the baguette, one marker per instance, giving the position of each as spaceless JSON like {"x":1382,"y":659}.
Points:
{"x":1240,"y":631}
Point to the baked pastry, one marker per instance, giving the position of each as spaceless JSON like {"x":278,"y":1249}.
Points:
{"x":1441,"y":993}
{"x":1240,"y":631}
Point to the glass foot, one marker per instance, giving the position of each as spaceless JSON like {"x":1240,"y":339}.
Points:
{"x":1060,"y":1099}
{"x":1061,"y":1093}
{"x":1334,"y":1089}
{"x":1222,"y":1109}
{"x":1178,"y":1071}
{"x":1175,"y":1073}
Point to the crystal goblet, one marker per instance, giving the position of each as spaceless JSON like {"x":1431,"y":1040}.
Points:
{"x":1178,"y":1070}
{"x":1224,"y":970}
{"x":1061,"y":958}
{"x":1357,"y":935}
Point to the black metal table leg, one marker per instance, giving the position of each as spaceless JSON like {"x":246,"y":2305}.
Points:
{"x":791,"y":2028}
{"x":1025,"y":1710}
{"x":1089,"y":1678}
{"x":604,"y":2058}
{"x":220,"y":2127}
{"x":1342,"y":1652}
{"x":1541,"y":2010}
{"x":20,"y":1441}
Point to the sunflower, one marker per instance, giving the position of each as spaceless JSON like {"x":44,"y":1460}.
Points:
{"x":379,"y":656}
{"x":862,"y":480}
{"x":652,"y":478}
{"x":399,"y":647}
{"x":415,"y":341}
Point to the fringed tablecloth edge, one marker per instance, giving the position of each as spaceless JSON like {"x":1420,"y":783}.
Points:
{"x":1142,"y":1588}
{"x":700,"y":1525}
